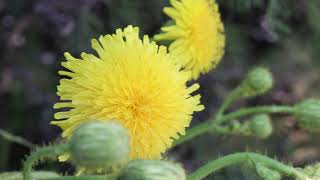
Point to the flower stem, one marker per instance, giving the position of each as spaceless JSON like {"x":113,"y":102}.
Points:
{"x":238,"y":158}
{"x":254,"y":110}
{"x":226,"y":103}
{"x":207,"y":126}
{"x":92,"y":177}
{"x":192,"y":133}
{"x":39,"y":154}
{"x":13,"y":138}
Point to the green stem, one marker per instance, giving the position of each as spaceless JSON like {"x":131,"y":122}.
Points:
{"x":226,"y":103}
{"x":92,"y":177}
{"x":254,"y":110}
{"x":17,"y":175}
{"x":199,"y":130}
{"x":192,"y":133}
{"x":238,"y":158}
{"x":207,"y":126}
{"x":12,"y":138}
{"x":39,"y":154}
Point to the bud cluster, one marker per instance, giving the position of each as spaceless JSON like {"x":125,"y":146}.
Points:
{"x":259,"y":126}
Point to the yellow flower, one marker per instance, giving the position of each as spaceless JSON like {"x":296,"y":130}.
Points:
{"x":197,"y":34}
{"x":133,"y":82}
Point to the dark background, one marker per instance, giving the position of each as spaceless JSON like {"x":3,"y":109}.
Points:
{"x":281,"y":35}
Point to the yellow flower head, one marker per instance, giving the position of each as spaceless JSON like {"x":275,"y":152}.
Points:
{"x":198,"y":34}
{"x":133,"y":82}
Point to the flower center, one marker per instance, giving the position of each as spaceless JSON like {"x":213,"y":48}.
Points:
{"x":138,"y":106}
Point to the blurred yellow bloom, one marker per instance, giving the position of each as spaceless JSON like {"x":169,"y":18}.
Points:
{"x":197,"y":34}
{"x":133,"y":82}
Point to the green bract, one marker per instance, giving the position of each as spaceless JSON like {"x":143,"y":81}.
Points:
{"x":99,"y":144}
{"x":307,"y":114}
{"x":152,"y":170}
{"x":261,"y":126}
{"x":313,"y":171}
{"x":257,"y":82}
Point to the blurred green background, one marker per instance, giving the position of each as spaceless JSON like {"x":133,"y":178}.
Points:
{"x":282,"y":35}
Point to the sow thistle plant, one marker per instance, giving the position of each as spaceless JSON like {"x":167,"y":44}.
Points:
{"x":122,"y":109}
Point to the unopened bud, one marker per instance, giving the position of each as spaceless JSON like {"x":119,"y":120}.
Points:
{"x":313,"y":171}
{"x":257,"y":82}
{"x":99,"y":144}
{"x":261,"y":126}
{"x":152,"y":170}
{"x":307,"y":114}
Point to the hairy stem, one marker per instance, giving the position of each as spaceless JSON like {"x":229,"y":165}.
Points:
{"x":192,"y":133}
{"x":226,"y":103}
{"x":13,"y":138}
{"x":207,"y":126}
{"x":238,"y":158}
{"x":92,"y":177}
{"x":254,"y":110}
{"x":34,"y":157}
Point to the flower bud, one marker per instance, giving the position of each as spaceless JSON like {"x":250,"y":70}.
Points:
{"x":313,"y":171}
{"x":152,"y":170}
{"x":99,"y":144}
{"x":261,"y":126}
{"x":257,"y":82}
{"x":266,"y":173}
{"x":307,"y":114}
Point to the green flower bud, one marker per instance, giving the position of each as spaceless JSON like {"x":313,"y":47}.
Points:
{"x":307,"y":114}
{"x":261,"y":126}
{"x":313,"y":171}
{"x":266,"y":173}
{"x":257,"y":82}
{"x":99,"y":144}
{"x":152,"y":170}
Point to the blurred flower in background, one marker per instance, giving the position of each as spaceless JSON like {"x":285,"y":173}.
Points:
{"x":197,"y":34}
